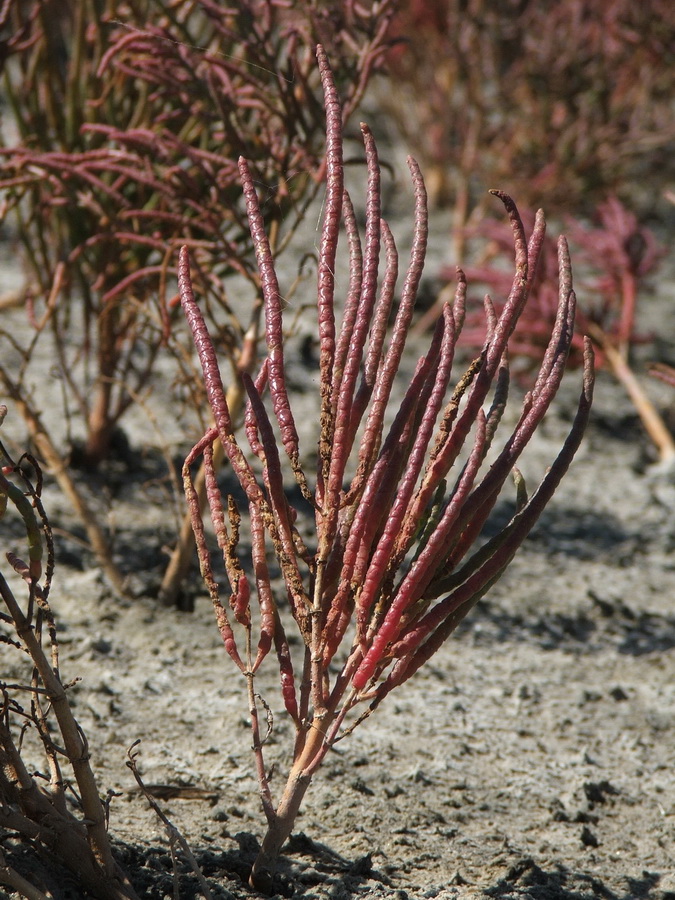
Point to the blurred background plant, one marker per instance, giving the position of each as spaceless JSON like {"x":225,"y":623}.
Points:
{"x":562,"y":104}
{"x":125,"y":126}
{"x":616,"y":258}
{"x":566,"y":105}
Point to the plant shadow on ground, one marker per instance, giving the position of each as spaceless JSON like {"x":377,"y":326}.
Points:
{"x":525,"y":879}
{"x":606,"y":620}
{"x":139,"y":550}
{"x":142,"y":504}
{"x":623,"y":427}
{"x":307,"y":865}
{"x":632,"y":633}
{"x":562,"y":531}
{"x":304,"y":865}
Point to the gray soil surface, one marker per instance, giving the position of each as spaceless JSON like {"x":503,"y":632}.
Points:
{"x":533,"y":757}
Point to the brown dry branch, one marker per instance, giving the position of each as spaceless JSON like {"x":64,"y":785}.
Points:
{"x":398,"y":559}
{"x":651,"y":418}
{"x":33,"y":805}
{"x":61,"y":472}
{"x":662,"y":436}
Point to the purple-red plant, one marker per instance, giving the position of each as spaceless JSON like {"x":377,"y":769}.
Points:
{"x":620,"y":254}
{"x":130,"y":120}
{"x":616,"y":255}
{"x":563,"y":104}
{"x":127,"y":122}
{"x":399,"y":502}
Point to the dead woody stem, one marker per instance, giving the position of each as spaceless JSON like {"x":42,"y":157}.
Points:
{"x":38,"y":807}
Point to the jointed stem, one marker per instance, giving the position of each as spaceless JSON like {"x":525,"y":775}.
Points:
{"x":394,"y":564}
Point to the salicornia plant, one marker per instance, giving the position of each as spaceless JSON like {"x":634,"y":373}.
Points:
{"x":126,"y":123}
{"x":129,"y":121}
{"x":617,"y":255}
{"x":566,"y":104}
{"x":399,"y":500}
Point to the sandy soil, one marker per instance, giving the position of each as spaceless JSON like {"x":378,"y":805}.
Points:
{"x":532,"y":758}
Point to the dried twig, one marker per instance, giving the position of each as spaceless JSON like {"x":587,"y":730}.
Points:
{"x":38,"y":815}
{"x":175,"y":837}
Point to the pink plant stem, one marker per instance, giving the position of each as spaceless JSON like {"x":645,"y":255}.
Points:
{"x":357,"y":336}
{"x":286,"y":672}
{"x":238,"y":580}
{"x":279,"y":505}
{"x":286,"y":813}
{"x":250,"y":423}
{"x":371,"y":440}
{"x":534,"y":409}
{"x":383,"y":558}
{"x":273,"y":326}
{"x":445,"y":453}
{"x":326,"y":268}
{"x":214,"y":384}
{"x":261,"y":771}
{"x":216,"y":395}
{"x":192,"y":500}
{"x":374,"y":505}
{"x":352,"y":300}
{"x":268,"y":612}
{"x":378,"y":330}
{"x":421,"y":571}
{"x":417,"y":647}
{"x":626,"y":327}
